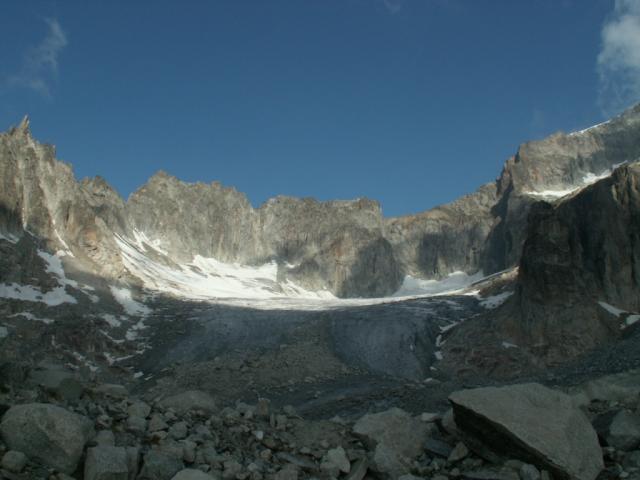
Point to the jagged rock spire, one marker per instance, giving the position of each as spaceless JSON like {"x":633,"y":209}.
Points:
{"x":23,"y":128}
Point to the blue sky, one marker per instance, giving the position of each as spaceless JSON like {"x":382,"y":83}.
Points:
{"x":410,"y":102}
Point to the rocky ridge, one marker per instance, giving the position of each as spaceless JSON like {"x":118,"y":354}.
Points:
{"x":345,"y":247}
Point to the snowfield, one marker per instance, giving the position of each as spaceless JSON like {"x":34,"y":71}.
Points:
{"x":207,"y":279}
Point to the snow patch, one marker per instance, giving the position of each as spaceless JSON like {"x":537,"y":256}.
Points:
{"x":124,"y":298}
{"x":32,"y":317}
{"x":29,"y":293}
{"x":9,"y":238}
{"x":611,"y":309}
{"x":111,"y":320}
{"x":631,"y":319}
{"x":585,"y":130}
{"x":588,"y":179}
{"x":495,"y":301}
{"x":4,"y":332}
{"x":508,"y":345}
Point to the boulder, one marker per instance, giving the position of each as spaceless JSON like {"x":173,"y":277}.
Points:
{"x":106,"y":463}
{"x":619,"y":429}
{"x":396,"y":437}
{"x":47,"y":433}
{"x":190,"y":400}
{"x":532,"y":423}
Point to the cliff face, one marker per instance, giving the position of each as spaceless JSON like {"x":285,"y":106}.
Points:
{"x":345,"y":247}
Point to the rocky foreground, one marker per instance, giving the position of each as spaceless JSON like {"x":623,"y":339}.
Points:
{"x":57,"y":426}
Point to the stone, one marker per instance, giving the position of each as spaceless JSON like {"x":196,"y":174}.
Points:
{"x":137,"y":425}
{"x":459,"y":452}
{"x":529,"y":472}
{"x":105,"y":438}
{"x":491,"y":474}
{"x":619,"y":429}
{"x":631,"y":460}
{"x":157,"y":423}
{"x":231,"y":469}
{"x":533,"y":423}
{"x":106,"y":463}
{"x":139,"y":409}
{"x":47,"y":433}
{"x":58,"y":381}
{"x":338,"y":458}
{"x":437,"y":447}
{"x":178,"y":430}
{"x":358,"y":470}
{"x":14,"y":461}
{"x":396,"y":437}
{"x":159,"y":466}
{"x":288,"y":472}
{"x":190,"y":400}
{"x":191,"y":474}
{"x":111,"y":390}
{"x":133,"y":461}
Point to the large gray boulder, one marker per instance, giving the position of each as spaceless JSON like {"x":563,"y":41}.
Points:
{"x":106,"y":463}
{"x":396,"y":437}
{"x":531,"y":423}
{"x":190,"y":400}
{"x":47,"y":433}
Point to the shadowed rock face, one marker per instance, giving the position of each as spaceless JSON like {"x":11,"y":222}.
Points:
{"x":346,"y":247}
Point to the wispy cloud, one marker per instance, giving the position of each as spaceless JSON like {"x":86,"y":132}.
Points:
{"x":393,"y":6}
{"x":619,"y":58}
{"x":39,"y":67}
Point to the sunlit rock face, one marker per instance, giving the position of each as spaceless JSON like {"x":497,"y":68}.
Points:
{"x":294,"y":246}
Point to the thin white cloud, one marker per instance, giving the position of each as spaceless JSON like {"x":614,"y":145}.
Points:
{"x":40,"y":63}
{"x":393,"y":6}
{"x":619,"y":58}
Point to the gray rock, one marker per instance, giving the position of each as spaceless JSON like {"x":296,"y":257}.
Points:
{"x":395,"y":436}
{"x":288,"y":472}
{"x":178,"y":430}
{"x":106,"y":463}
{"x":105,"y":438}
{"x":437,"y":447}
{"x":137,"y":425}
{"x":159,"y":466}
{"x":157,"y":423}
{"x":529,"y":472}
{"x":490,"y":474}
{"x":358,"y":470}
{"x":133,"y":461}
{"x":459,"y":452}
{"x":532,"y":423}
{"x":191,"y":474}
{"x":620,"y":429}
{"x":631,"y":460}
{"x":58,"y":381}
{"x":336,"y":459}
{"x":139,"y":409}
{"x":14,"y":461}
{"x":47,"y":433}
{"x":190,"y":400}
{"x":111,"y":390}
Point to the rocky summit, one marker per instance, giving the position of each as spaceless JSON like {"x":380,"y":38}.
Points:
{"x":184,"y":333}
